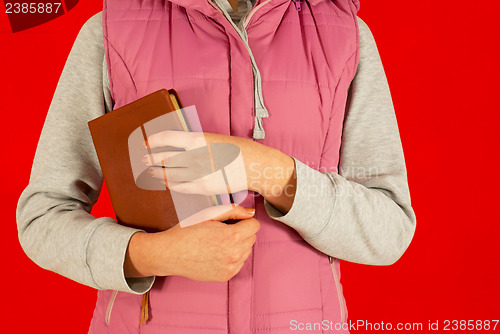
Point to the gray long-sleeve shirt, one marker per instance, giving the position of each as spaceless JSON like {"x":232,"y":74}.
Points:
{"x":363,"y":214}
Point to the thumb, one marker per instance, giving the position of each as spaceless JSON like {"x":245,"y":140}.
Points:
{"x":237,"y":212}
{"x":219,"y":213}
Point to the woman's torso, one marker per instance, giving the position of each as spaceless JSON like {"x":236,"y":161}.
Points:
{"x":305,"y":60}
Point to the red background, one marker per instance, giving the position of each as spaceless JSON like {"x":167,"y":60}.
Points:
{"x":442,"y":63}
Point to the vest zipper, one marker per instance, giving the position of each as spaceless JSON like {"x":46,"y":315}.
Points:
{"x":339,"y":293}
{"x":297,"y":5}
{"x":110,"y":306}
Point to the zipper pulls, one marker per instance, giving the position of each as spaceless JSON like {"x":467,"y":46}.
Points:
{"x":297,"y":5}
{"x":145,"y":308}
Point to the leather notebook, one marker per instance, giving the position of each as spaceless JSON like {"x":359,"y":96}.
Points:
{"x":139,"y":200}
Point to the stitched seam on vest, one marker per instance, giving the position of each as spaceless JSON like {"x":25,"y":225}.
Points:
{"x":148,"y":20}
{"x":123,"y":62}
{"x":272,"y":329}
{"x":286,"y":313}
{"x":158,"y":9}
{"x":108,"y":58}
{"x":333,"y":112}
{"x":203,"y":313}
{"x":301,"y":82}
{"x":252,"y":291}
{"x":195,"y":17}
{"x":188,"y":16}
{"x":271,"y":242}
{"x":230,"y":103}
{"x":306,"y":24}
{"x":335,"y":13}
{"x":199,"y":17}
{"x":184,"y":77}
{"x":346,"y":65}
{"x":356,"y":62}
{"x":327,"y":293}
{"x":163,"y":324}
{"x":230,"y":65}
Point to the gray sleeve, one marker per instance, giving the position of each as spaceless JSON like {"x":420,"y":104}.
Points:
{"x":55,"y":227}
{"x":362,"y":214}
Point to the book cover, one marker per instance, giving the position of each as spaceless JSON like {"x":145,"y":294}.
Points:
{"x":139,"y":200}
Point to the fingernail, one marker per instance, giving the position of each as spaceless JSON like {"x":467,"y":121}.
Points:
{"x":250,"y":211}
{"x":145,"y":159}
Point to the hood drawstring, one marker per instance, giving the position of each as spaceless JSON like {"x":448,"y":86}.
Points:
{"x":258,"y":130}
{"x":260,"y":108}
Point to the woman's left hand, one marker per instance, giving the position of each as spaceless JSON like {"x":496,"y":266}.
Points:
{"x":192,"y":171}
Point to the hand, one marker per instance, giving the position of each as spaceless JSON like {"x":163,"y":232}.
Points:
{"x":268,"y":171}
{"x":191,"y":172}
{"x":216,"y":168}
{"x":208,"y":251}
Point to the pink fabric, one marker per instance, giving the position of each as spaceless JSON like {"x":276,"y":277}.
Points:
{"x":307,"y":60}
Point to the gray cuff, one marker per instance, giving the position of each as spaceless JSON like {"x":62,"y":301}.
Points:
{"x":105,"y":256}
{"x":314,"y":190}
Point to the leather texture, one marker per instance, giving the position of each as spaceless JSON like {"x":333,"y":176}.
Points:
{"x":140,"y":202}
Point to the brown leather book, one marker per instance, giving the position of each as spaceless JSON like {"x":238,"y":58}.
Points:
{"x":138,"y":199}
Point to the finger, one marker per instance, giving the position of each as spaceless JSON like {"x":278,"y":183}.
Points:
{"x":238,"y":268}
{"x":208,"y":185}
{"x":174,"y":174}
{"x":234,"y":212}
{"x":247,"y":227}
{"x":217,"y":213}
{"x":194,"y":188}
{"x":181,"y":139}
{"x":182,"y":187}
{"x":159,"y":172}
{"x":191,"y":188}
{"x":161,"y":159}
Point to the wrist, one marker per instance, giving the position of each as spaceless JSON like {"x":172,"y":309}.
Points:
{"x":279,"y":190}
{"x":138,"y":262}
{"x":275,"y":173}
{"x":265,"y":164}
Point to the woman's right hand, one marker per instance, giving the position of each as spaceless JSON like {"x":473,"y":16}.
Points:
{"x":208,"y":251}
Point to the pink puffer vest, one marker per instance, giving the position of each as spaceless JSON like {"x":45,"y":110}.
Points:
{"x":307,"y":59}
